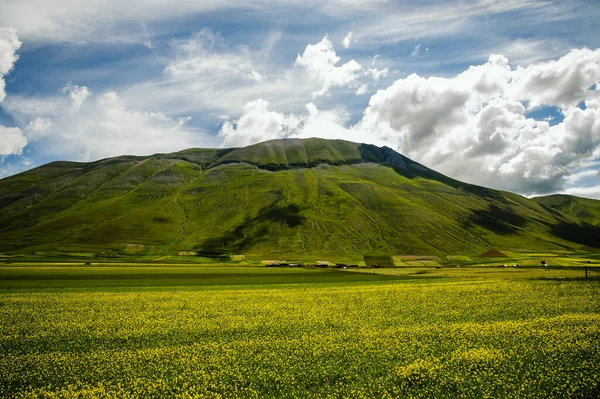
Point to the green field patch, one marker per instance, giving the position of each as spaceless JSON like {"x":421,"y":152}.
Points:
{"x":414,"y":263}
{"x":82,"y":254}
{"x":382,"y":261}
{"x":542,"y":255}
{"x":134,"y":248}
{"x":462,"y":258}
{"x":78,"y":248}
{"x":97,"y":276}
{"x":493,"y":253}
{"x":416,"y":257}
{"x":430,"y":263}
{"x":48,"y":253}
{"x":399,"y":263}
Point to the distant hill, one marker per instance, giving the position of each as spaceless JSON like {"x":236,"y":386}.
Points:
{"x":584,"y":209}
{"x":305,"y":198}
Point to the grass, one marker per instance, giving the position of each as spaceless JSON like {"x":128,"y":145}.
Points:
{"x":262,"y":332}
{"x":585,"y":209}
{"x":285,"y":199}
{"x":132,"y":276}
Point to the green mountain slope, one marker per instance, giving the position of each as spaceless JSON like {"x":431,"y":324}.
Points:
{"x":585,"y":209}
{"x":295,"y":198}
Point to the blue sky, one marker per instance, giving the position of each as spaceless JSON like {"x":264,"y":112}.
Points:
{"x":497,"y":93}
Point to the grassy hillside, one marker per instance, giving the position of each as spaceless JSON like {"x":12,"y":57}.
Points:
{"x":585,"y":209}
{"x":296,"y":199}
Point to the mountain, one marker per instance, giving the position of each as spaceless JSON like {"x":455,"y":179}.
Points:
{"x":585,"y":209}
{"x":304,"y":199}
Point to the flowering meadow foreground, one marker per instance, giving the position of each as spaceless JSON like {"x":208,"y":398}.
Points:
{"x":209,"y":332}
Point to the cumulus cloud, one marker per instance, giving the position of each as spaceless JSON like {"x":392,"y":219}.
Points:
{"x":415,"y":108}
{"x":320,"y":62}
{"x":105,"y":127}
{"x":474,"y":126}
{"x":347,"y":40}
{"x":38,"y":128}
{"x":377,"y":73}
{"x":9,"y":44}
{"x":564,"y":82}
{"x":12,"y":141}
{"x":77,"y":94}
{"x":257,"y":124}
{"x":331,"y":124}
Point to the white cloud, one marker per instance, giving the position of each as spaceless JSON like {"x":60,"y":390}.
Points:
{"x":330,"y":124}
{"x":587,"y":192}
{"x":106,"y":20}
{"x":320,"y":62}
{"x":12,"y":141}
{"x":77,"y":94}
{"x":105,"y":127}
{"x":564,"y":82}
{"x":454,"y":19}
{"x":257,"y":124}
{"x":363,"y":89}
{"x":9,"y":44}
{"x":579,"y":176}
{"x":583,"y":131}
{"x":110,"y":21}
{"x":377,"y":73}
{"x":206,"y":53}
{"x":473,"y":126}
{"x":38,"y":128}
{"x":256,"y":76}
{"x":209,"y":75}
{"x":527,"y":51}
{"x":347,"y":40}
{"x":415,"y":108}
{"x":416,"y":50}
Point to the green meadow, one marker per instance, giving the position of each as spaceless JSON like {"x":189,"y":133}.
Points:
{"x":193,"y":331}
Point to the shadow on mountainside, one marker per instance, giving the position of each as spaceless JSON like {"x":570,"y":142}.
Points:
{"x":584,"y":234}
{"x":251,"y":230}
{"x":580,"y":233}
{"x":498,"y":220}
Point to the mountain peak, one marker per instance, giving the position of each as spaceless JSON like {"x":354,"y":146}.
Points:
{"x":271,"y":199}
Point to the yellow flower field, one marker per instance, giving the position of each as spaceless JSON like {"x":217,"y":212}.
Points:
{"x":447,"y":337}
